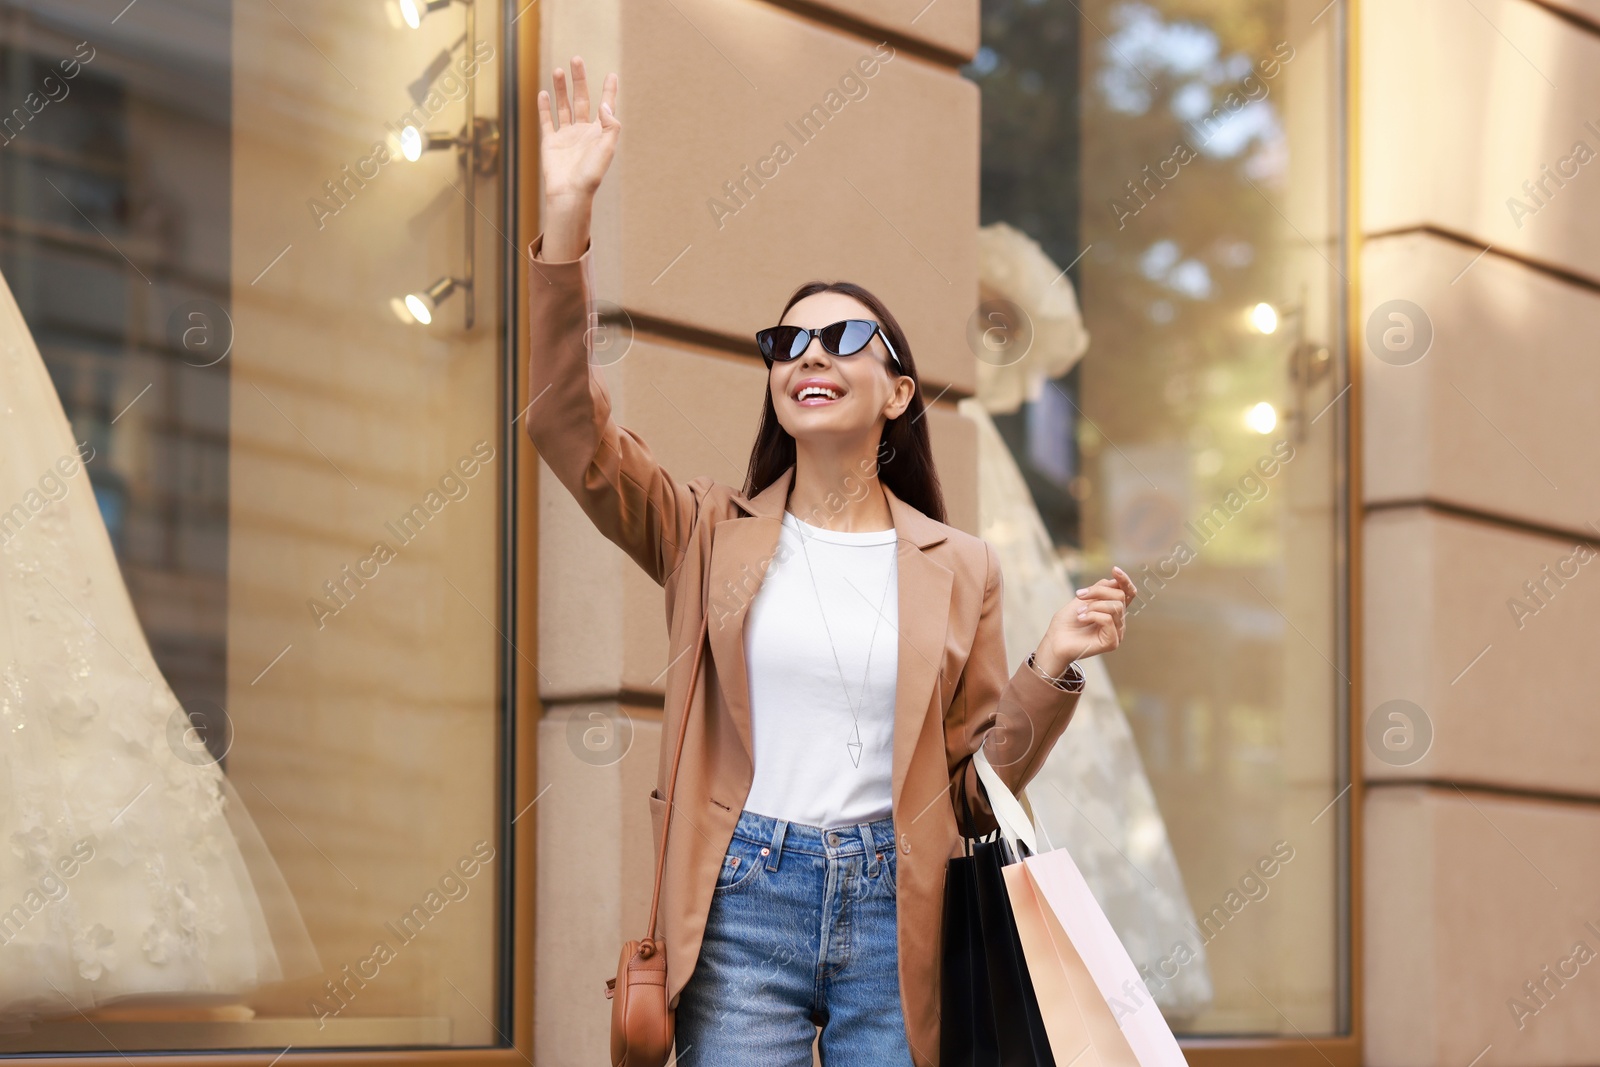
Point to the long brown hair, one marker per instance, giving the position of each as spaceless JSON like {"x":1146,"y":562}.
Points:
{"x":905,"y":454}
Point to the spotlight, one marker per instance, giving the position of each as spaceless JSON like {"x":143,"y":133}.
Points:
{"x":1261,"y":418}
{"x":423,"y":303}
{"x":1264,"y":317}
{"x":414,"y":11}
{"x":414,"y":142}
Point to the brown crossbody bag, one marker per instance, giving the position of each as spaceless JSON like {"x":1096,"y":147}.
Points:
{"x":641,"y":1022}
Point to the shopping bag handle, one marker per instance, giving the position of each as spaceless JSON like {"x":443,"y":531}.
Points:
{"x":1008,"y":812}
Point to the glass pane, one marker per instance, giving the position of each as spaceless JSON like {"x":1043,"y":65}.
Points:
{"x":1179,"y":161}
{"x":209,"y":226}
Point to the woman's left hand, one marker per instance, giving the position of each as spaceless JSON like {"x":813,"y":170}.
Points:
{"x":1092,"y":623}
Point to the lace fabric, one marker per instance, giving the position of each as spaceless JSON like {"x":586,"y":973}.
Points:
{"x":129,"y":868}
{"x":1091,"y":794}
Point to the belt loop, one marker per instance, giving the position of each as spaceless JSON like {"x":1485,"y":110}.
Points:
{"x":777,"y":844}
{"x":872,"y":850}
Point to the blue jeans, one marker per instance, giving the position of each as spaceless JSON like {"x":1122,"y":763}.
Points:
{"x":801,"y":933}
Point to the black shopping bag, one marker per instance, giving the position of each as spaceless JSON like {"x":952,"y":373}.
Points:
{"x":989,"y":1015}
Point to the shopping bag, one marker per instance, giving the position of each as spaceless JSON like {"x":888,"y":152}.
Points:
{"x":1070,"y":905}
{"x":989,"y":1016}
{"x":1079,"y":952}
{"x":1077,"y":1019}
{"x":1018,"y":1022}
{"x":966,"y":1012}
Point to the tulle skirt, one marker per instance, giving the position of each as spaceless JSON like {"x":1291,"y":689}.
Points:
{"x":129,"y":868}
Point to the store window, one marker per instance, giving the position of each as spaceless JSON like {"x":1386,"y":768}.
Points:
{"x":1175,"y":166}
{"x":260,"y":802}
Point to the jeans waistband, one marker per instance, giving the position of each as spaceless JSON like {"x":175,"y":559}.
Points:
{"x":781,"y":835}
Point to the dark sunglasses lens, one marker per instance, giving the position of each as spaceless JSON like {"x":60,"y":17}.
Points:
{"x":794,"y":342}
{"x":848,"y":337}
{"x":780,"y":342}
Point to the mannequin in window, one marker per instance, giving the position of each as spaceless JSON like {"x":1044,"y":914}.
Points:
{"x":130,"y":872}
{"x":1091,"y":795}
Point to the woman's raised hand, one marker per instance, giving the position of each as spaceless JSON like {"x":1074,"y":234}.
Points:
{"x":575,"y":157}
{"x":1092,"y":623}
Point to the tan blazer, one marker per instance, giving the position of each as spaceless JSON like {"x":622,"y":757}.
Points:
{"x":708,"y":545}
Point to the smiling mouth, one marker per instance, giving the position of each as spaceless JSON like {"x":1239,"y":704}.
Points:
{"x":815,"y":395}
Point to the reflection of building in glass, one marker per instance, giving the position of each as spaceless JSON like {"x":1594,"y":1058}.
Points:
{"x":105,"y":235}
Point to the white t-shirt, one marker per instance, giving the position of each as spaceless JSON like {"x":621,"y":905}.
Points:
{"x":824,"y":748}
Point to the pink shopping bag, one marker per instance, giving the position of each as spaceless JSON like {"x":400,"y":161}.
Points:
{"x":1073,"y":915}
{"x":1077,"y":1019}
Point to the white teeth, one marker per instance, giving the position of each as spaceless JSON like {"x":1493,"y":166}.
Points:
{"x":816,"y":390}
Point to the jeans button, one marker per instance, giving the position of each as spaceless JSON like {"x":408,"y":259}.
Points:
{"x":833,"y":839}
{"x":905,"y":843}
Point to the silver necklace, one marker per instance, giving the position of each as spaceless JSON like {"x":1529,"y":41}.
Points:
{"x":854,"y":744}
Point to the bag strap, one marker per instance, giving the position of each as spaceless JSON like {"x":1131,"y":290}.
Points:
{"x":1008,"y":811}
{"x":672,"y":776}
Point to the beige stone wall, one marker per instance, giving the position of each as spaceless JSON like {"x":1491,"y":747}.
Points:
{"x":1479,"y":472}
{"x":885,"y":194}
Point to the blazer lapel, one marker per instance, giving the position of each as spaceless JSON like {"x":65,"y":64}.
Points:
{"x":924,"y":601}
{"x":741,"y":551}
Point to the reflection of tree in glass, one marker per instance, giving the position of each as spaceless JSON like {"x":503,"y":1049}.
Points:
{"x":1176,"y":99}
{"x":1027,"y":71}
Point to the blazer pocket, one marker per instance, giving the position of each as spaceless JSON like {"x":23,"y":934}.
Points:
{"x":658,"y":811}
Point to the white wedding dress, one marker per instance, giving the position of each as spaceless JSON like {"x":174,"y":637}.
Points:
{"x":1091,"y":795}
{"x":129,"y":868}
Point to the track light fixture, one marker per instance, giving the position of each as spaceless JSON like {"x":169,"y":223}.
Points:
{"x":414,"y":142}
{"x":484,"y":147}
{"x":477,"y":149}
{"x":421,"y":305}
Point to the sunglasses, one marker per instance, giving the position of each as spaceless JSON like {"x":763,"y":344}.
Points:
{"x":780,"y":344}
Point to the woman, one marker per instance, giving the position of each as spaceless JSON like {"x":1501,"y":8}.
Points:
{"x":855,"y":661}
